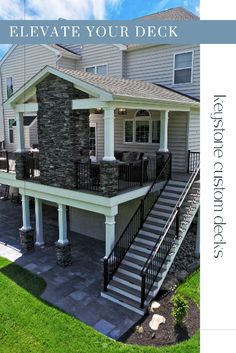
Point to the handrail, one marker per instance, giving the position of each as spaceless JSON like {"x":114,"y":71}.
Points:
{"x":174,"y":216}
{"x":136,"y":222}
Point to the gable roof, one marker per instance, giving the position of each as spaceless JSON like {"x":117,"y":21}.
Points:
{"x":110,"y":87}
{"x":173,"y":14}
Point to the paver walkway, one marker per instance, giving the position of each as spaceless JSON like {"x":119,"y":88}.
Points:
{"x":75,"y":289}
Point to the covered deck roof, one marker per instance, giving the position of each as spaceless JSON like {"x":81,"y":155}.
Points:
{"x":105,"y":89}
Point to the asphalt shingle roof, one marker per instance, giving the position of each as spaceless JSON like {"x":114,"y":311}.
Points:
{"x":129,"y":88}
{"x":177,"y":13}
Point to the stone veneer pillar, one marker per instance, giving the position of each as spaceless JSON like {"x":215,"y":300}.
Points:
{"x":109,"y":174}
{"x":20,"y":170}
{"x":63,"y":254}
{"x":26,"y":232}
{"x":63,"y":133}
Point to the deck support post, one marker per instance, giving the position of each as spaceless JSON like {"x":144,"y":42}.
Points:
{"x":38,"y":222}
{"x":26,"y":232}
{"x":109,"y":118}
{"x":63,"y":246}
{"x":110,"y":233}
{"x":164,"y":131}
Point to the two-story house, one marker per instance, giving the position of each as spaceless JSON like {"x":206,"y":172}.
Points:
{"x":113,"y":125}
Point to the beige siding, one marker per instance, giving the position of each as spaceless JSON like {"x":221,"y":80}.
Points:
{"x":177,"y":140}
{"x":194,"y":131}
{"x":98,"y":120}
{"x":80,"y":220}
{"x":2,"y":135}
{"x":23,"y":63}
{"x":33,"y":133}
{"x":102,"y":54}
{"x":155,"y":64}
{"x":177,"y":136}
{"x":67,"y":63}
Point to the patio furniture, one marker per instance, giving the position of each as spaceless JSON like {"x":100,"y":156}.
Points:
{"x":4,"y":192}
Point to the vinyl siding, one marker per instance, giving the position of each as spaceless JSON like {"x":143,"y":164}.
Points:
{"x":23,"y":63}
{"x":2,"y":135}
{"x":177,"y":137}
{"x":80,"y":220}
{"x":194,"y":131}
{"x":67,"y":63}
{"x":155,"y":64}
{"x":177,"y":140}
{"x":33,"y":133}
{"x":102,"y":54}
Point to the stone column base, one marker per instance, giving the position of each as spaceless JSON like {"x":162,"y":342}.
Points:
{"x":27,"y":239}
{"x":63,"y":254}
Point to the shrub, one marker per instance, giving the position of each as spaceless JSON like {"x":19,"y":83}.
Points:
{"x":180,"y":309}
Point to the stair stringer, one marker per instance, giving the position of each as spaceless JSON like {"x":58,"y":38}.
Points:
{"x":171,"y":258}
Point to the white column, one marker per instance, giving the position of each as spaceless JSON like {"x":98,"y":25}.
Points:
{"x":164,"y":131}
{"x":197,"y":246}
{"x":20,"y":138}
{"x":110,"y":233}
{"x":25,"y":213}
{"x":62,"y":223}
{"x":109,"y":134}
{"x":39,"y":222}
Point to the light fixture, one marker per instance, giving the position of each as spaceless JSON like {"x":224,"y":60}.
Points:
{"x":98,"y":111}
{"x":122,"y":111}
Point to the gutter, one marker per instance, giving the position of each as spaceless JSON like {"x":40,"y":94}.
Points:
{"x":2,"y":119}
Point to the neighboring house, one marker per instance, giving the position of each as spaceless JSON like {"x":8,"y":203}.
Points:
{"x":124,"y":108}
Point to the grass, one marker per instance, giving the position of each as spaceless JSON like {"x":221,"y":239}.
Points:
{"x":28,"y":324}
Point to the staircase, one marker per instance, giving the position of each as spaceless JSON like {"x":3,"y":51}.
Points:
{"x":140,"y":273}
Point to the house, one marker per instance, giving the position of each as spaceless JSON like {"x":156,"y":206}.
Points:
{"x":114,"y":126}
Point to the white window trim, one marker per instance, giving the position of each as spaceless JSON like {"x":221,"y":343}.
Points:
{"x":96,"y":139}
{"x":96,"y":66}
{"x":173,"y":78}
{"x":6,"y":85}
{"x":9,"y":130}
{"x":140,"y":118}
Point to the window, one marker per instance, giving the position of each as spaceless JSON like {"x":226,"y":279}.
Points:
{"x":11,"y":131}
{"x":142,"y":129}
{"x":183,"y":68}
{"x":9,"y":84}
{"x":92,"y":139}
{"x":97,"y":69}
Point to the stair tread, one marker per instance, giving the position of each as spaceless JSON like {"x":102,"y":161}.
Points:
{"x":142,"y":245}
{"x":122,"y":298}
{"x":137,"y":252}
{"x":127,"y":278}
{"x":124,"y":287}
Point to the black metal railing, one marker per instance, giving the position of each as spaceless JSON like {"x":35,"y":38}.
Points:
{"x":7,"y":161}
{"x":31,"y":167}
{"x":113,"y":261}
{"x":174,"y":226}
{"x":193,"y":160}
{"x":87,"y":176}
{"x":131,"y":174}
{"x":4,"y":161}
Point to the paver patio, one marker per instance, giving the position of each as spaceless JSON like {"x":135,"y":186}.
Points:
{"x":75,"y":289}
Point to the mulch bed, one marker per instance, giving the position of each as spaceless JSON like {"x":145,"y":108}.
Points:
{"x":167,"y":334}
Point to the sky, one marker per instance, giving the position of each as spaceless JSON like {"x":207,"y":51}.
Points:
{"x":86,"y":10}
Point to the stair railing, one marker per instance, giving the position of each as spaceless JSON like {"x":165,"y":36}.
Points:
{"x":171,"y":231}
{"x":113,"y":261}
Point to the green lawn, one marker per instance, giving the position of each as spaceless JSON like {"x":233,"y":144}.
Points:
{"x":28,"y":324}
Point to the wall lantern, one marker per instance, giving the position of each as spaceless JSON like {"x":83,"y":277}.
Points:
{"x":99,"y":111}
{"x":122,"y":111}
